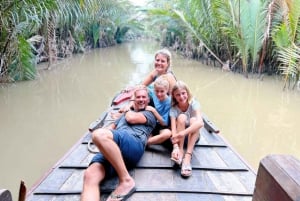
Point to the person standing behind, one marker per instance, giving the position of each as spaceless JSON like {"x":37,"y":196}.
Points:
{"x":132,"y":128}
{"x":162,"y":103}
{"x":186,"y":121}
{"x":162,"y":66}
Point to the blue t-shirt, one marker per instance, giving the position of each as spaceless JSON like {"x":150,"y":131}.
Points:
{"x":141,"y":131}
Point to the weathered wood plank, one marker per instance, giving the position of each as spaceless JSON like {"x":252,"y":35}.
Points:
{"x":278,"y":179}
{"x":152,"y":197}
{"x":209,"y":125}
{"x":209,"y":139}
{"x":157,"y":180}
{"x":55,"y":179}
{"x":159,"y":157}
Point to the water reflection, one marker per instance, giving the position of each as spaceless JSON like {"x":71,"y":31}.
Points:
{"x":40,"y":120}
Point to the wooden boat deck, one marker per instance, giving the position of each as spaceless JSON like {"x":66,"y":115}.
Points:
{"x":219,"y":173}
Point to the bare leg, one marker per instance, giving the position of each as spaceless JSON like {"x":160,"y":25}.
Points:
{"x":93,"y":175}
{"x":103,"y":139}
{"x":192,"y":139}
{"x":180,"y":125}
{"x":160,"y":138}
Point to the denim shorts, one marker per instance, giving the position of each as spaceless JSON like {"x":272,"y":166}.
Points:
{"x":131,"y":147}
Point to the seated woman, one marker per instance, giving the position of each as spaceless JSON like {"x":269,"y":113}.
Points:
{"x":162,"y":66}
{"x":186,"y":121}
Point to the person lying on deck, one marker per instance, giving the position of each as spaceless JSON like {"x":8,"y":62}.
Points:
{"x":116,"y":157}
{"x":186,"y":120}
{"x":161,"y":102}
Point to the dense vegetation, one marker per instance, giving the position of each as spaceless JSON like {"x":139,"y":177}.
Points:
{"x":253,"y":36}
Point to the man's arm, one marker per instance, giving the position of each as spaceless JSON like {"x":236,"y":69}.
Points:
{"x":133,"y":117}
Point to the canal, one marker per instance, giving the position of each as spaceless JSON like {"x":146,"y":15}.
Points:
{"x":41,"y":119}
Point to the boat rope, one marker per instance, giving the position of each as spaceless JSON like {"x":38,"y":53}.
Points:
{"x":91,"y":147}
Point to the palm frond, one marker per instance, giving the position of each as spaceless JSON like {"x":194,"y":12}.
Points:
{"x":258,"y":26}
{"x":23,"y":66}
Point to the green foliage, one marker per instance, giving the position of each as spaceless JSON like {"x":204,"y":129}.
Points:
{"x":19,"y":20}
{"x":286,"y":37}
{"x":23,"y":65}
{"x":76,"y":23}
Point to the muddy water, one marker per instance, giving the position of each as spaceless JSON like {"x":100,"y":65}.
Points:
{"x":40,"y":120}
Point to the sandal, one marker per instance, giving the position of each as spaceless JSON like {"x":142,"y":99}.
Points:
{"x":186,"y":169}
{"x":176,"y":152}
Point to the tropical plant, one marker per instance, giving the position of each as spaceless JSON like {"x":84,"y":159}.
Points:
{"x":19,"y":19}
{"x":286,"y":36}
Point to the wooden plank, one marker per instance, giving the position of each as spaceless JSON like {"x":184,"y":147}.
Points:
{"x":55,"y":179}
{"x":75,"y":181}
{"x":278,"y":179}
{"x":218,"y":158}
{"x":152,"y":197}
{"x":77,"y":156}
{"x":158,"y":180}
{"x":228,"y":182}
{"x":210,"y":139}
{"x":209,"y":125}
{"x":230,"y":158}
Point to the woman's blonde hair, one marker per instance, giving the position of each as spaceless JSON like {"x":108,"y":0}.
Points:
{"x":180,"y":85}
{"x":166,"y":53}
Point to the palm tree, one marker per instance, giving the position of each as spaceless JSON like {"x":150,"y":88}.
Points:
{"x":285,"y":35}
{"x":18,"y":20}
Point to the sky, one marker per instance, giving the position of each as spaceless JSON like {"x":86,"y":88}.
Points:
{"x":139,"y":2}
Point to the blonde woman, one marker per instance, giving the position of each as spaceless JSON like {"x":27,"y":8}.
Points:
{"x":162,"y":66}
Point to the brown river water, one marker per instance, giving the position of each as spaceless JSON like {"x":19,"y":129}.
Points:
{"x":40,"y":120}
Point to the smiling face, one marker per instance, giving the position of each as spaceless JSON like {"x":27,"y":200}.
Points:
{"x":161,"y":63}
{"x":181,"y":96}
{"x":161,"y":92}
{"x":141,"y":99}
{"x":161,"y":87}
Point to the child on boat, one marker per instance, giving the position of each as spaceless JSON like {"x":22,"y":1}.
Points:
{"x":162,"y":103}
{"x":162,"y":66}
{"x":186,"y":121}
